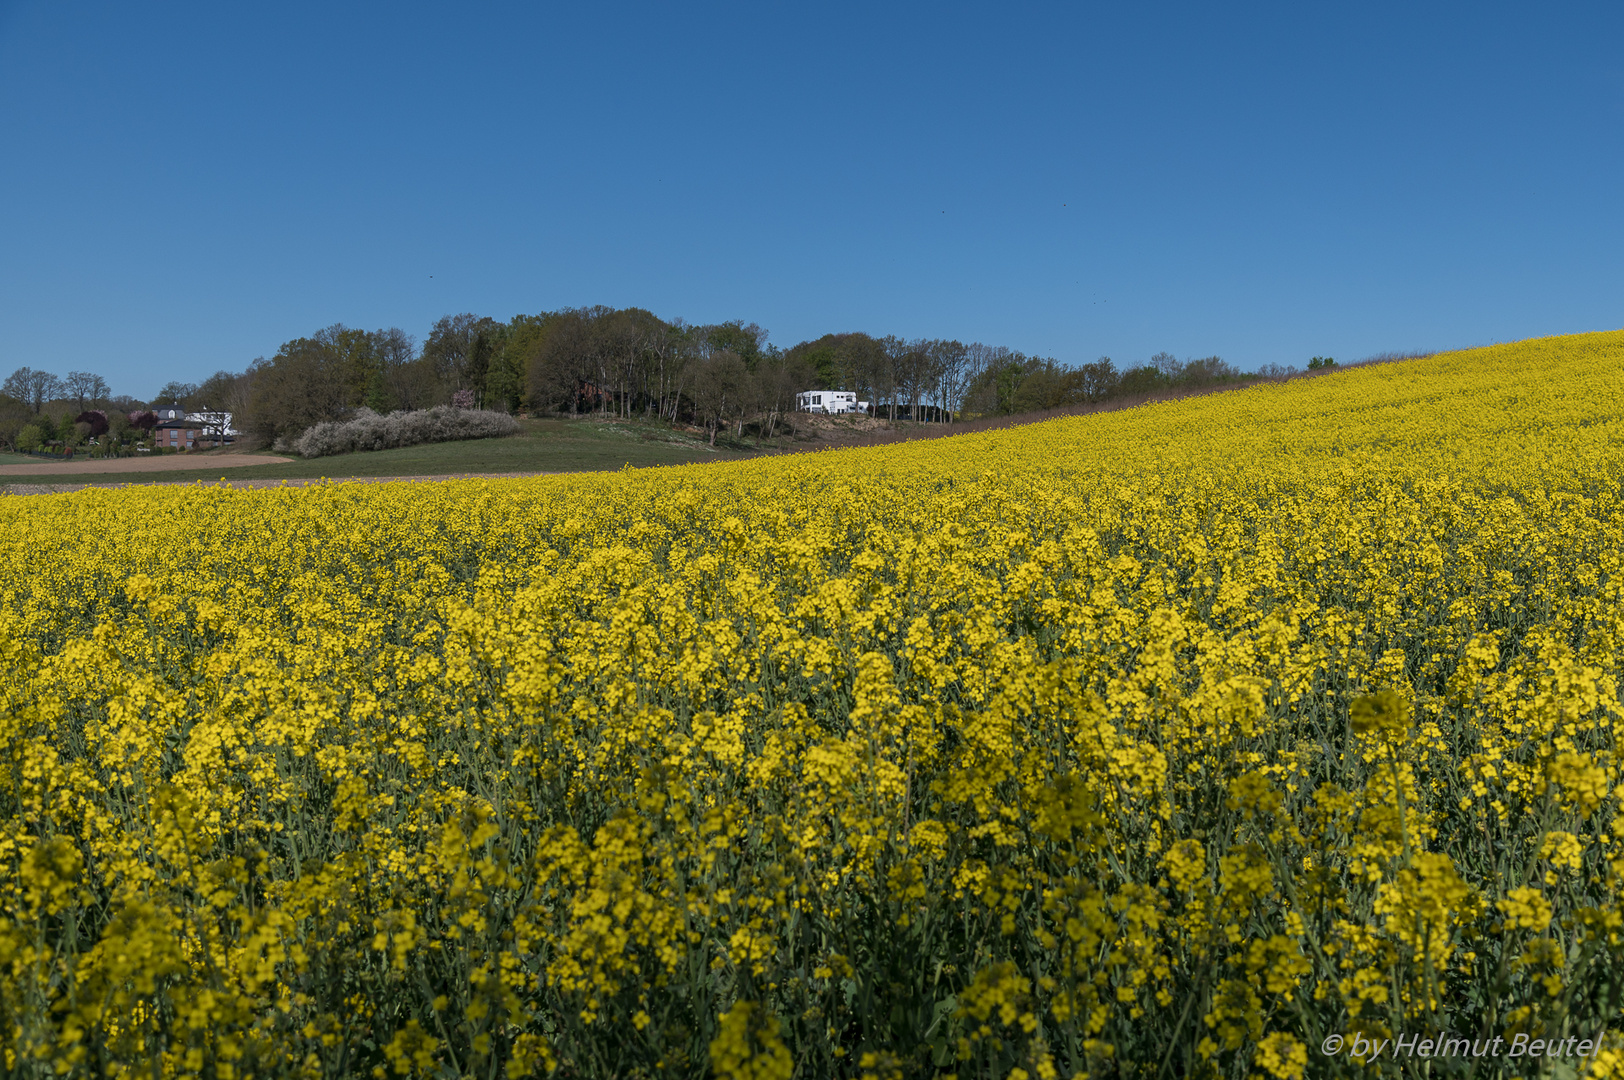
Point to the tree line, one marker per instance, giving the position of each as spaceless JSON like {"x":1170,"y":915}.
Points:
{"x":40,"y":409}
{"x":629,"y":362}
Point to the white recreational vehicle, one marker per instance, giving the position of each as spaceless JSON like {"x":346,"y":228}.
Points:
{"x":829,"y":401}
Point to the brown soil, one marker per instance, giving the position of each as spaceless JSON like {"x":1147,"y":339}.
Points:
{"x":270,"y":482}
{"x":837,"y":426}
{"x":156,"y":463}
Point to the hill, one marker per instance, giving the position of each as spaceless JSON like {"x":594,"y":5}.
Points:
{"x":1219,"y":736}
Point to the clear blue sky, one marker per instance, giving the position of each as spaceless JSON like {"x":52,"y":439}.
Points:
{"x":186,"y":186}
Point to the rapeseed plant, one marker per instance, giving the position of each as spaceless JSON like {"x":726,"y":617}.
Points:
{"x":1164,"y":742}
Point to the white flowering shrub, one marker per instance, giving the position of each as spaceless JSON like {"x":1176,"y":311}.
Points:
{"x":374,"y":431}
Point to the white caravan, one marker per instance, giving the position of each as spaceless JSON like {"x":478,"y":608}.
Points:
{"x":829,"y":401}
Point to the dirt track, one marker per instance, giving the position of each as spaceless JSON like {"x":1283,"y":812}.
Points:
{"x":161,"y":463}
{"x":270,"y":482}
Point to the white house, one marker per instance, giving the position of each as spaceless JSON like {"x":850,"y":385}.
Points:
{"x":829,"y":401}
{"x":217,"y":423}
{"x":214,"y":421}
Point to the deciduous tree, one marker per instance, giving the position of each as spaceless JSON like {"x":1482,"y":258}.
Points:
{"x":33,"y":387}
{"x":87,"y":389}
{"x":94,"y":420}
{"x":307,"y":381}
{"x":405,"y":380}
{"x":721,"y":383}
{"x":449,"y":349}
{"x":174,"y":394}
{"x":218,"y":401}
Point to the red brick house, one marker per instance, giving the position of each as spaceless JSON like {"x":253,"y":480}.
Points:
{"x":178,"y":430}
{"x":181,"y":434}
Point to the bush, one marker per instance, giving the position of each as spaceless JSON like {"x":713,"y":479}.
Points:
{"x":95,"y":420}
{"x":373,"y":431}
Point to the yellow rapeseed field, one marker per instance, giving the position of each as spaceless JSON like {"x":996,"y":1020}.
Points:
{"x":1187,"y":740}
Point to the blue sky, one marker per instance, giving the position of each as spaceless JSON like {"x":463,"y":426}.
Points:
{"x":186,"y":186}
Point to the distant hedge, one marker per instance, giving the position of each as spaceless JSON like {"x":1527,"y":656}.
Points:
{"x":374,"y":431}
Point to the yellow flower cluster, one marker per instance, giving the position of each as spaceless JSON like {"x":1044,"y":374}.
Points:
{"x":1168,"y":742}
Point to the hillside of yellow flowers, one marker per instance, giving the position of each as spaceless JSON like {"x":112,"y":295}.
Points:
{"x":1212,"y":738}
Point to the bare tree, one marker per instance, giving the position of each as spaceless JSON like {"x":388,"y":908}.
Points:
{"x":684,"y":365}
{"x":174,"y":393}
{"x":916,"y":374}
{"x":33,"y":387}
{"x":720,"y":389}
{"x":16,"y":385}
{"x":990,"y":377}
{"x":1169,"y":365}
{"x":222,"y":397}
{"x":888,"y":371}
{"x":951,"y":361}
{"x":409,"y":380}
{"x":449,"y":347}
{"x":747,"y":342}
{"x":977,"y":359}
{"x":88,"y":390}
{"x":779,"y":378}
{"x":1099,"y":379}
{"x":629,"y":342}
{"x":670,"y":352}
{"x":603,"y":358}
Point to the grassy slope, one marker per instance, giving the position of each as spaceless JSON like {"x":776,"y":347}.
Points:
{"x":549,"y":445}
